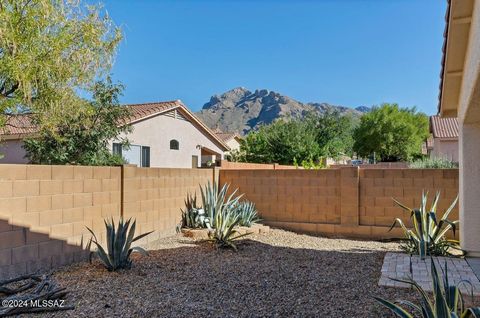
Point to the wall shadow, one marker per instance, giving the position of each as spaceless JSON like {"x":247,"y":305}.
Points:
{"x":260,"y":280}
{"x":23,"y":251}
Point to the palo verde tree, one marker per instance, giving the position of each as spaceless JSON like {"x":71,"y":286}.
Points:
{"x":49,"y":51}
{"x":82,"y":136}
{"x":391,"y":132}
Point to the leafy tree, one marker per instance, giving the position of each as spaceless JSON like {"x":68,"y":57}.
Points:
{"x":281,"y":142}
{"x":334,"y":133}
{"x":306,"y":140}
{"x":82,"y":136}
{"x":49,"y":51}
{"x":391,"y":132}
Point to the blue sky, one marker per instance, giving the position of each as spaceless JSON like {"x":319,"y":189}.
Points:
{"x":344,"y":52}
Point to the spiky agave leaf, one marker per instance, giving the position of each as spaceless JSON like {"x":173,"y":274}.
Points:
{"x":119,"y":242}
{"x":215,"y":200}
{"x":248,"y":213}
{"x":428,"y":233}
{"x":101,"y":251}
{"x":447,"y":300}
{"x":396,"y":309}
{"x":471,"y":313}
{"x":224,"y":234}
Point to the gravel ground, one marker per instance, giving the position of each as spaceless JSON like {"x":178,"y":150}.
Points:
{"x":278,"y":274}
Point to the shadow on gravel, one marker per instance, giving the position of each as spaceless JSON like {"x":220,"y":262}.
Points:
{"x":259,"y":280}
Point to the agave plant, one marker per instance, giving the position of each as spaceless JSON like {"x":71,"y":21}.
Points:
{"x":447,"y":300}
{"x":215,"y":201}
{"x":193,"y":216}
{"x":247,"y":212}
{"x":119,"y":241}
{"x":428,"y":235}
{"x":224,"y":233}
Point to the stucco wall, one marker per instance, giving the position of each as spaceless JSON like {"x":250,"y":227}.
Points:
{"x":157,"y":132}
{"x":469,"y":121}
{"x":445,"y":149}
{"x":233,"y":144}
{"x":12,"y":151}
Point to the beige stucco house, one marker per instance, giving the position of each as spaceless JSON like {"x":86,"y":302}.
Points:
{"x":232,"y":140}
{"x":460,"y":97}
{"x":165,"y":134}
{"x":443,"y":142}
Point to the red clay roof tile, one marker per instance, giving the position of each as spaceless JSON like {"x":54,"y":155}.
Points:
{"x":21,"y":124}
{"x":443,"y":127}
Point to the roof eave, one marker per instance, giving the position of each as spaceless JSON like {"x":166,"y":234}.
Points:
{"x":455,"y":46}
{"x":444,"y":55}
{"x":203,"y":126}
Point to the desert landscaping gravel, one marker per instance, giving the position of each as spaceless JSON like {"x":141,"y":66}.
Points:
{"x":277,"y":274}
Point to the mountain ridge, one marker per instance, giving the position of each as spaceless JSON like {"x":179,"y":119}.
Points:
{"x":240,"y":110}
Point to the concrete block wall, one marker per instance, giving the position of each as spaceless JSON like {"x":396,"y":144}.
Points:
{"x":379,"y":186}
{"x":44,"y":212}
{"x":154,"y":196}
{"x":345,"y":201}
{"x":225,"y":164}
{"x":309,"y":197}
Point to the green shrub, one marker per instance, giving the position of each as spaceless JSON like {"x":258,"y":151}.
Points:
{"x":119,"y":241}
{"x":433,"y":163}
{"x":428,"y":235}
{"x":247,"y":213}
{"x":447,"y":300}
{"x":311,"y":165}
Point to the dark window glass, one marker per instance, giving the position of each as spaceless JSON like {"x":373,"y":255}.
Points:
{"x":145,"y":156}
{"x":174,"y":145}
{"x":117,"y":149}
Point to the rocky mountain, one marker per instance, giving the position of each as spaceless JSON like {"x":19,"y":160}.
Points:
{"x":240,"y":110}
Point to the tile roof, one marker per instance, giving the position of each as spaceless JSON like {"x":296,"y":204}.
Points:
{"x":18,"y":124}
{"x":142,"y":111}
{"x":444,"y":51}
{"x":225,"y":137}
{"x":443,"y":127}
{"x":21,"y":124}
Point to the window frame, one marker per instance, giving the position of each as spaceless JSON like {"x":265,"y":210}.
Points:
{"x":145,"y":156}
{"x":174,"y":144}
{"x":118,"y":149}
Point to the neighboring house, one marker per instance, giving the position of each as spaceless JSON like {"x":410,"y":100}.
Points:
{"x":443,"y":142}
{"x":11,"y":138}
{"x":232,"y":140}
{"x":427,"y":146}
{"x":460,"y":97}
{"x":165,"y":134}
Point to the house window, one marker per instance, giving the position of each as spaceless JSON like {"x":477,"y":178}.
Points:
{"x":145,"y":156}
{"x":117,"y":149}
{"x":134,"y":154}
{"x":174,"y":145}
